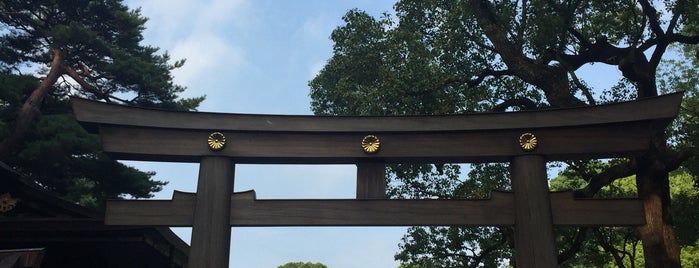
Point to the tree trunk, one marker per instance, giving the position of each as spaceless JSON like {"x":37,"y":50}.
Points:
{"x":30,"y":110}
{"x":660,"y":249}
{"x":659,"y":244}
{"x":553,"y":80}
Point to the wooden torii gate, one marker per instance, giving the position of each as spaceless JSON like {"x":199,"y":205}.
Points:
{"x":525,"y":139}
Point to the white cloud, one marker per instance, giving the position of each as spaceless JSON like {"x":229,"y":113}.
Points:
{"x":205,"y":54}
{"x":177,"y":17}
{"x":196,"y":31}
{"x":219,"y":12}
{"x":166,"y":19}
{"x":315,"y":28}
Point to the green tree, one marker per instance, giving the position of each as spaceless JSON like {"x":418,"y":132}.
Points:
{"x":620,"y":245}
{"x":303,"y":265}
{"x":50,"y":50}
{"x":441,"y":57}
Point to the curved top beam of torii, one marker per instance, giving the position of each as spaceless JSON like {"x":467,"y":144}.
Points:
{"x":611,"y":130}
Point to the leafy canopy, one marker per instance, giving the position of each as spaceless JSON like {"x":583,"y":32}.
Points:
{"x":447,"y":57}
{"x":50,"y":50}
{"x":303,"y":265}
{"x":100,"y":46}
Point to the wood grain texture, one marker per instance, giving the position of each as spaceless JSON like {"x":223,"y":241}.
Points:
{"x":534,"y":241}
{"x":179,"y":211}
{"x":211,"y":233}
{"x":246,"y":210}
{"x":371,"y":180}
{"x":155,"y":144}
{"x":663,"y":107}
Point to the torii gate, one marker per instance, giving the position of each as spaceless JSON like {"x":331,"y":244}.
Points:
{"x":525,"y":139}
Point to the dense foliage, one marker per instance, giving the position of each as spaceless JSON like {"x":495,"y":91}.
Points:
{"x":445,"y":57}
{"x":50,"y":50}
{"x":303,"y":265}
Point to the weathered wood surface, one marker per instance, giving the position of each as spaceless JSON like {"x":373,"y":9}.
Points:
{"x":246,"y":210}
{"x":371,"y":180}
{"x":663,"y":107}
{"x":590,"y":132}
{"x":534,"y":238}
{"x":211,"y":234}
{"x":614,"y":140}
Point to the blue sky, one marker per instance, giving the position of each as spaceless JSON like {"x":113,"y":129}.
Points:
{"x":257,"y":57}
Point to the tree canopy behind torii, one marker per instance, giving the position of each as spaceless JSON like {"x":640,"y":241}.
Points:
{"x":458,"y":56}
{"x":51,"y":49}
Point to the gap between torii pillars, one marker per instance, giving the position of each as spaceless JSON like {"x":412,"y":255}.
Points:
{"x":211,"y":231}
{"x":534,"y":241}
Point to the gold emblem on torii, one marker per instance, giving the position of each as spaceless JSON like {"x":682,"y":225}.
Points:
{"x":371,"y":144}
{"x":528,"y":141}
{"x":216,"y":141}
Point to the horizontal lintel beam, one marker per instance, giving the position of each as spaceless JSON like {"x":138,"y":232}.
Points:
{"x":495,"y":211}
{"x":602,"y":131}
{"x":602,"y":141}
{"x":656,"y":108}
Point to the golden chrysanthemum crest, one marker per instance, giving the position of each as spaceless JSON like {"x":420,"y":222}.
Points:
{"x":528,"y":141}
{"x":216,"y":141}
{"x":371,"y":144}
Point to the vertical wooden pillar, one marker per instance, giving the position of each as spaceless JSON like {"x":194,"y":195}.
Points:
{"x":211,"y":231}
{"x":534,"y":241}
{"x":371,"y":180}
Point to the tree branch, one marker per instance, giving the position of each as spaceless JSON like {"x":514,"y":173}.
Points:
{"x":489,"y":24}
{"x":675,"y":161}
{"x":673,"y":23}
{"x":657,"y":56}
{"x":684,"y":39}
{"x":609,"y":248}
{"x":553,"y":80}
{"x":600,"y":51}
{"x":566,"y":14}
{"x":648,"y":44}
{"x":662,"y":42}
{"x":523,"y":25}
{"x":579,"y":170}
{"x":606,"y":177}
{"x":475,"y":81}
{"x":585,"y":90}
{"x":30,"y":110}
{"x":419,"y":188}
{"x":631,"y":61}
{"x":581,"y":39}
{"x":652,"y":14}
{"x":85,"y":85}
{"x":525,"y":103}
{"x":477,"y":259}
{"x":578,"y":240}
